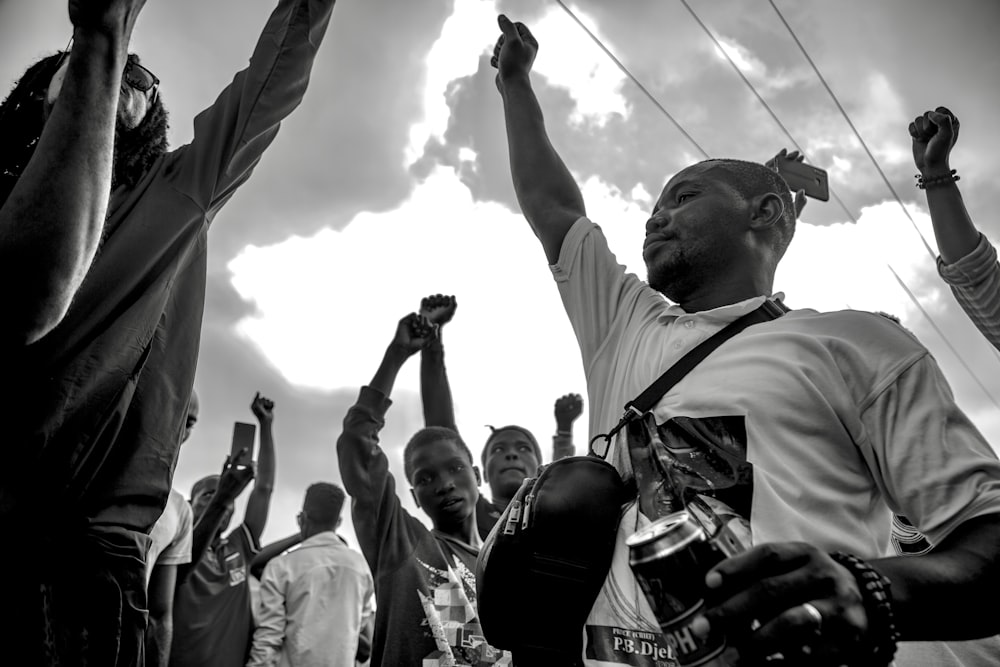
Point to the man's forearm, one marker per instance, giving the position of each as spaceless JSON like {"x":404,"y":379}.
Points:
{"x":52,"y":221}
{"x":953,"y":229}
{"x":159,"y":636}
{"x":435,"y":390}
{"x":385,"y":377}
{"x":938,"y":596}
{"x":204,"y":532}
{"x":546,"y":191}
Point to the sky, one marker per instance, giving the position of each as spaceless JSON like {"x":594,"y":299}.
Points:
{"x":391,"y":182}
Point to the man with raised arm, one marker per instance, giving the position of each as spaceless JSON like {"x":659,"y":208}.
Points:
{"x":810,"y":429}
{"x":968,"y":261}
{"x":103,"y":254}
{"x":213,"y":621}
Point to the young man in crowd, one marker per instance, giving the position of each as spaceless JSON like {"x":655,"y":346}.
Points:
{"x":213,"y":623}
{"x":511,"y":453}
{"x":170,"y":547}
{"x":424,"y":579}
{"x":828,"y":422}
{"x":99,"y":371}
{"x":315,"y":601}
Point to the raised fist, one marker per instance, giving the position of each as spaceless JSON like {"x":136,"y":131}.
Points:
{"x":515,"y":50}
{"x":568,"y":410}
{"x":414,"y":332}
{"x":262,"y":408}
{"x":934,"y":134}
{"x":105,"y":16}
{"x":438,"y":309}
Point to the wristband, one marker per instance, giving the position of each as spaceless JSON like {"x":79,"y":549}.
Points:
{"x":876,"y":595}
{"x":933,"y":181}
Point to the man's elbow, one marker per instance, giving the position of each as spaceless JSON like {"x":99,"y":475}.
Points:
{"x":32,"y":322}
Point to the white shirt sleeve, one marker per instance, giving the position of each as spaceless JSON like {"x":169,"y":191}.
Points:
{"x":929,"y":460}
{"x":269,"y":636}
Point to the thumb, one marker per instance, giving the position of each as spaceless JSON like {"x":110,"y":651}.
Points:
{"x":508,"y":28}
{"x":942,"y":120}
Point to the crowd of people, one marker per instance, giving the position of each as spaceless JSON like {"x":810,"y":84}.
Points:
{"x":870,"y":502}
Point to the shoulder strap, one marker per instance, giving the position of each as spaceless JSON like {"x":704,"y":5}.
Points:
{"x":644,"y":402}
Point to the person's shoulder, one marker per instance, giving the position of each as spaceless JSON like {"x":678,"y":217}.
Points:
{"x":852,"y":324}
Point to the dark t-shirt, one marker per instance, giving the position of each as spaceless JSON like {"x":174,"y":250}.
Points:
{"x":213,"y":624}
{"x":425,"y":586}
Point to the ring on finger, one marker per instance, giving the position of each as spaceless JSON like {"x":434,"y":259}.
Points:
{"x":814,"y":614}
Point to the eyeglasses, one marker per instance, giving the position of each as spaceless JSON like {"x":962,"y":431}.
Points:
{"x":141,"y":79}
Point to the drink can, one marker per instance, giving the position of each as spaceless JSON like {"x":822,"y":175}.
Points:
{"x":670,"y":558}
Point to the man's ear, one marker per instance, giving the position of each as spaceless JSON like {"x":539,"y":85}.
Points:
{"x":479,"y":477}
{"x":340,"y":520}
{"x":768,"y":210}
{"x":415,"y":499}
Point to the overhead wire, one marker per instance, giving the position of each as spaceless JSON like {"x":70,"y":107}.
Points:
{"x":763,"y":102}
{"x":634,"y":80}
{"x":850,"y":124}
{"x":621,"y":66}
{"x":760,"y":98}
{"x":871,"y":156}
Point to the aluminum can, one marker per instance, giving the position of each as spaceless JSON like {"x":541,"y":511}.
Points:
{"x":670,"y":558}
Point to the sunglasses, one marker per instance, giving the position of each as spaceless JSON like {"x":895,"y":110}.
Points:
{"x":134,"y":74}
{"x":140,"y":78}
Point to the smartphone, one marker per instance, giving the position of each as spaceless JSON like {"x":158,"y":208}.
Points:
{"x":801,"y":176}
{"x":244,"y":436}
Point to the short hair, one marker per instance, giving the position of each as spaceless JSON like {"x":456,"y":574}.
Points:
{"x":426,"y":436}
{"x":751,"y":179}
{"x":201,"y":483}
{"x":323,"y":503}
{"x":511,"y":427}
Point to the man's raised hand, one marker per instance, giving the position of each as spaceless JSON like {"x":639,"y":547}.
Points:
{"x":568,"y":409}
{"x":515,"y":50}
{"x":262,"y":408}
{"x":105,"y":16}
{"x":934,"y":134}
{"x":438,"y":308}
{"x":236,"y":475}
{"x":414,"y":332}
{"x":800,"y":195}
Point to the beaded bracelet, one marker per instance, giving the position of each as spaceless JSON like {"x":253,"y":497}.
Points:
{"x":924,"y":183}
{"x":876,"y":595}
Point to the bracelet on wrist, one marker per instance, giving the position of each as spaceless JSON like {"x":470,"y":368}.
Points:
{"x":564,"y":431}
{"x":876,"y":595}
{"x":934,"y":181}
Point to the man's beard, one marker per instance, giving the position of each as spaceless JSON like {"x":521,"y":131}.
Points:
{"x":672,"y":278}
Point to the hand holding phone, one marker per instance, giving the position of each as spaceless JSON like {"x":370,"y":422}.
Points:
{"x":243,"y":439}
{"x":801,"y":176}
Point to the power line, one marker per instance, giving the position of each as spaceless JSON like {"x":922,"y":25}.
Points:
{"x":943,"y":337}
{"x":634,"y":80}
{"x":784,"y":129}
{"x":677,"y":124}
{"x":762,"y":101}
{"x":857,"y":134}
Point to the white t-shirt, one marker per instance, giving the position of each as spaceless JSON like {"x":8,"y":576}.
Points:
{"x":847,"y":417}
{"x":171,"y":535}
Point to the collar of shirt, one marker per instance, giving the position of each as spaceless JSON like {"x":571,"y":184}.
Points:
{"x":721,"y":315}
{"x":324,"y":539}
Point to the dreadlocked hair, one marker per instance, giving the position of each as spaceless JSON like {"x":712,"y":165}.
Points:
{"x":22,"y":118}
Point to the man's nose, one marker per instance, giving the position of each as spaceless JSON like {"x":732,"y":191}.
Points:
{"x":655,"y":223}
